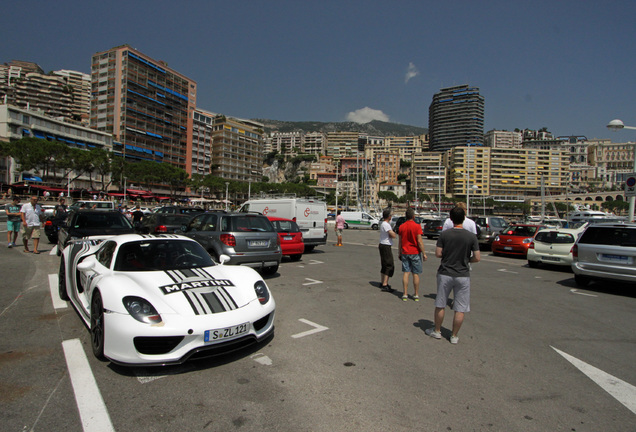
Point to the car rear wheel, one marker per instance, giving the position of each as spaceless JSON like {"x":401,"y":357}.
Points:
{"x":97,"y":325}
{"x":309,"y":248}
{"x":581,"y":280}
{"x":533,"y":264}
{"x":296,"y":257}
{"x":374,"y":226}
{"x":61,"y":275}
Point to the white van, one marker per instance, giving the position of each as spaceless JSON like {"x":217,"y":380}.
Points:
{"x":309,"y":214}
{"x":360,"y":219}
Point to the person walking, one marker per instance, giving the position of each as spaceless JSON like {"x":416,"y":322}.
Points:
{"x":386,"y":253}
{"x":454,"y":247}
{"x":32,"y":216}
{"x":411,"y":253}
{"x":340,"y":224}
{"x":137,"y":217}
{"x":14,"y":220}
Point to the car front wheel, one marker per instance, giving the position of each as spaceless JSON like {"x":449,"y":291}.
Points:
{"x":97,"y":326}
{"x":61,"y":275}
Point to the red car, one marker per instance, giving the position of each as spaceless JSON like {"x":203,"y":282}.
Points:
{"x":515,"y":239}
{"x":291,"y":239}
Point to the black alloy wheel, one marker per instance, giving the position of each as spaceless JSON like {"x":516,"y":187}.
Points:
{"x":97,"y":325}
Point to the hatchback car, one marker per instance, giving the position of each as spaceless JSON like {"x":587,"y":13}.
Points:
{"x":490,"y":226}
{"x":515,"y":240}
{"x":605,"y":251}
{"x":247,"y":238}
{"x":291,"y":238}
{"x":433,"y":228}
{"x":552,"y":246}
{"x":84,"y":223}
{"x":163,"y":223}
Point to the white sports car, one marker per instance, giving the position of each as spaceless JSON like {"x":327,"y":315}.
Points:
{"x":161,"y":299}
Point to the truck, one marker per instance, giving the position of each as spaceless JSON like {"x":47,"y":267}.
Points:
{"x":360,"y":219}
{"x":309,"y":214}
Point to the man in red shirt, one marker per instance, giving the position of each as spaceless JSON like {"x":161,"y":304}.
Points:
{"x":411,"y":246}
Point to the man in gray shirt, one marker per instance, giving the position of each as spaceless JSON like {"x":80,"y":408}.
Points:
{"x":454,"y":247}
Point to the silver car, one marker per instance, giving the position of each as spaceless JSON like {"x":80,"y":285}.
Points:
{"x":605,"y":252}
{"x":247,"y":238}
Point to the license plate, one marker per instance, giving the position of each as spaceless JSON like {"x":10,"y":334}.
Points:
{"x":615,"y":258}
{"x":507,"y":247}
{"x":288,"y":238}
{"x":257,"y":243}
{"x":550,"y":258}
{"x":226,"y":333}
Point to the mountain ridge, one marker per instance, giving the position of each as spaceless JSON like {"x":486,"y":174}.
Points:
{"x":373,"y":128}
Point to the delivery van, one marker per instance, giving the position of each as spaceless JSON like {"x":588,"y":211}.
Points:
{"x":309,"y":214}
{"x":360,"y":219}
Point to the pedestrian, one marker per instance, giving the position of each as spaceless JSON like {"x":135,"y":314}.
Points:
{"x":411,"y":253}
{"x":32,"y":217}
{"x":454,"y":247}
{"x":386,"y":253}
{"x":340,"y":224}
{"x":14,"y":220}
{"x":469,"y":224}
{"x":137,"y":217}
{"x":60,"y":210}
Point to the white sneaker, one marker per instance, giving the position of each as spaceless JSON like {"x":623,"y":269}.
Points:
{"x":432,"y":333}
{"x":454,"y":339}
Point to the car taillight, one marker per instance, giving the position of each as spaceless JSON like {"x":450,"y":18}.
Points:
{"x":531,"y":246}
{"x":161,"y":229}
{"x":278,"y":240}
{"x":48,"y":223}
{"x":325,"y":225}
{"x":575,"y":251}
{"x":230,"y":240}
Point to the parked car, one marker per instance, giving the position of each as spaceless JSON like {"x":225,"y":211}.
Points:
{"x":84,"y":223}
{"x":93,"y":205}
{"x":552,"y":246}
{"x":158,"y":300}
{"x":490,"y":226}
{"x":247,"y":238}
{"x":515,"y":239}
{"x":179,"y":210}
{"x":163,"y":223}
{"x":291,"y":238}
{"x":605,"y":251}
{"x":401,"y":219}
{"x":433,"y":228}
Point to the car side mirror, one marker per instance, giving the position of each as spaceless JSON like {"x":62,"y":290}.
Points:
{"x":87,"y":264}
{"x":223,"y":259}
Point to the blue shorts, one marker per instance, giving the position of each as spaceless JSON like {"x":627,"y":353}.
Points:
{"x":412,"y":264}
{"x":14,"y":226}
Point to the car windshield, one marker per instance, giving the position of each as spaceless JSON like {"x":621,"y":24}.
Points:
{"x":161,"y":255}
{"x":247,"y":223}
{"x":520,"y":230}
{"x":554,"y":237}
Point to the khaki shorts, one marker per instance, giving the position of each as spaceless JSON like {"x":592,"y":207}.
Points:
{"x":31,"y":232}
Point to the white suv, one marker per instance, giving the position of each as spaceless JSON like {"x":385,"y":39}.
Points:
{"x":605,"y":251}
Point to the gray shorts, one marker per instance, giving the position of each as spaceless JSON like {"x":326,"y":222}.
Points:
{"x":461,"y":292}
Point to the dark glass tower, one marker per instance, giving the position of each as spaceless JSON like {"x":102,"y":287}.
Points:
{"x":456,"y":118}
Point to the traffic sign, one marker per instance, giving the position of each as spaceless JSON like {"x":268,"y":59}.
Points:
{"x":630,"y":185}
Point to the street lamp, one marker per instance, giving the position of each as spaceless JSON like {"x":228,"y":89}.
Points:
{"x":226,"y":194}
{"x":336,"y":197}
{"x":616,"y":125}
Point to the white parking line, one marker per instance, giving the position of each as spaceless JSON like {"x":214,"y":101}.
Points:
{"x":317,"y":329}
{"x":53,"y":251}
{"x":622,"y":391}
{"x":92,"y":409}
{"x":58,"y":303}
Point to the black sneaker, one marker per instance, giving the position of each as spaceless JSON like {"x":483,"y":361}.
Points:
{"x":387,"y":288}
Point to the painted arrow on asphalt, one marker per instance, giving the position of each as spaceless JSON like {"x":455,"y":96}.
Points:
{"x":622,"y":391}
{"x":317,"y":329}
{"x":575,"y":291}
{"x":313,"y":282}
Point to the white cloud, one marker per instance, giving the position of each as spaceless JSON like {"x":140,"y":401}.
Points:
{"x":366,"y":115}
{"x":411,"y":72}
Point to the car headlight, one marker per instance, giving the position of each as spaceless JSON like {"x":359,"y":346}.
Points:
{"x":496,"y":239}
{"x":141,"y":310}
{"x":260,"y":288}
{"x":527,"y":240}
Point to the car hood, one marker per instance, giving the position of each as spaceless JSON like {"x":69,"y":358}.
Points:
{"x":197,"y":291}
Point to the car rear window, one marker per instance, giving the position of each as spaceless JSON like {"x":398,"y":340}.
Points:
{"x":497,"y":222}
{"x":286,"y":226}
{"x":554,"y":237}
{"x":614,"y":236}
{"x":520,"y":231}
{"x":246,"y":223}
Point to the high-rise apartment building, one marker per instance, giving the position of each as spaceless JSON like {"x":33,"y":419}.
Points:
{"x":456,"y":118}
{"x":79,"y":85}
{"x":502,"y":139}
{"x":147,"y":106}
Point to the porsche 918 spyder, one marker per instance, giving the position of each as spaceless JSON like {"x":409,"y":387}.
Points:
{"x":161,"y":299}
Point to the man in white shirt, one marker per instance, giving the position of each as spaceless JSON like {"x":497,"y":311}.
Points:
{"x":32,"y":216}
{"x":469,"y":224}
{"x":386,"y":253}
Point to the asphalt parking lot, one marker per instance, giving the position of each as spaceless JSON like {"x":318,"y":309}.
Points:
{"x":536,"y":353}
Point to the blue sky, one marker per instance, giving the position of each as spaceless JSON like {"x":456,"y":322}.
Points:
{"x":569,"y":66}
